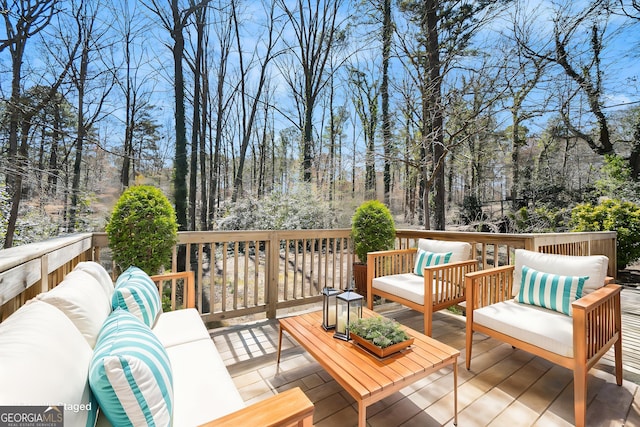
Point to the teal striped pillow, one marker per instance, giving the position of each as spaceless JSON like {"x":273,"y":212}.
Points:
{"x":130,"y":373}
{"x":136,"y":293}
{"x":550,"y":290}
{"x":427,"y":259}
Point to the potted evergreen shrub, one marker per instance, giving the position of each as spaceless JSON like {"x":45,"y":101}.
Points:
{"x":142,"y":229}
{"x":372,"y":229}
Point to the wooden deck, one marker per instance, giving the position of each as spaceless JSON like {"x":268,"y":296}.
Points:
{"x":505,"y":387}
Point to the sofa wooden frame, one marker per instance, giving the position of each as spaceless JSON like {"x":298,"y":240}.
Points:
{"x":289,"y":408}
{"x":596,"y":328}
{"x":448,"y":278}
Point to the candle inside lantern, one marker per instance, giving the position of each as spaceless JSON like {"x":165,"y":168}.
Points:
{"x":341,"y":325}
{"x":332,"y":315}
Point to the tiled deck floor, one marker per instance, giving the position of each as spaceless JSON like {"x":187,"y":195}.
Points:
{"x":505,"y":387}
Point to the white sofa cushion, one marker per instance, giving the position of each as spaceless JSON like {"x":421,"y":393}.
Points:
{"x":130,"y":373}
{"x":406,"y":285}
{"x":180,"y":327}
{"x":203,"y":387}
{"x":81,"y":298}
{"x":460,"y":251}
{"x":99,"y":273}
{"x":538,"y":326}
{"x":427,"y":259}
{"x":44,"y":360}
{"x":594,"y":266}
{"x":136,"y":293}
{"x":551,"y":291}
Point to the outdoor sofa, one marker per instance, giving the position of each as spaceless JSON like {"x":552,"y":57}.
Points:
{"x":132,"y":365}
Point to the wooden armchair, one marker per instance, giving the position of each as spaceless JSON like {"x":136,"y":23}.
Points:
{"x":390,"y":275}
{"x":575,"y":342}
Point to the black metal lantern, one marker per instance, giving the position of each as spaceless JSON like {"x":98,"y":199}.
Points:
{"x":329,"y":308}
{"x":348,"y":309}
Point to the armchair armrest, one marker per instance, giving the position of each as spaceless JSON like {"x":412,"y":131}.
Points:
{"x":291,"y":407}
{"x":597,"y":323}
{"x":188,"y":290}
{"x":446,"y":282}
{"x":488,"y":286}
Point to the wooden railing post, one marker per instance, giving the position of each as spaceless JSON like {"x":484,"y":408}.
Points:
{"x":273,"y":260}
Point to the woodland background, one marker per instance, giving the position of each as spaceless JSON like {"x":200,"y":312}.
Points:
{"x":484,"y":115}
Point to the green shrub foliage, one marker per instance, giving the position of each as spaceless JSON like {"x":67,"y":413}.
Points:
{"x":372,"y":229}
{"x":613,"y":215}
{"x":381,"y":331}
{"x":142,"y":230}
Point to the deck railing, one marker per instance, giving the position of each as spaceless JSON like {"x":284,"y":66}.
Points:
{"x":242,"y":273}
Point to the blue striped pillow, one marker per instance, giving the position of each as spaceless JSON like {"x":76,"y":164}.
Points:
{"x":427,"y":259}
{"x":130,"y":373}
{"x":550,"y":291}
{"x":136,"y":293}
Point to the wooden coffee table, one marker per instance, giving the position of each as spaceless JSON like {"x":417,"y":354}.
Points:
{"x":365,"y":377}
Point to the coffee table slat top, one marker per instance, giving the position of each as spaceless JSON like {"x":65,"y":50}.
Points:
{"x":360,"y":373}
{"x":334,"y":358}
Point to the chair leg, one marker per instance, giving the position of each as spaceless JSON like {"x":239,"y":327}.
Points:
{"x":617,"y":347}
{"x":469,"y":344}
{"x":580,"y":395}
{"x":428,"y":321}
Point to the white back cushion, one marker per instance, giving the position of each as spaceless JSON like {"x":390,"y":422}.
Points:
{"x":81,"y":298}
{"x":460,"y":251}
{"x":100,"y":274}
{"x":594,"y":266}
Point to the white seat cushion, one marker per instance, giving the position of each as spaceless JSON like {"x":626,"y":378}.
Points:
{"x":538,"y":326}
{"x":203,"y":388}
{"x":460,"y":251}
{"x":594,"y":266}
{"x":180,"y":327}
{"x":407,"y":285}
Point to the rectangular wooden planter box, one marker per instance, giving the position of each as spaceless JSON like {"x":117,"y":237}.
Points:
{"x":377,"y":351}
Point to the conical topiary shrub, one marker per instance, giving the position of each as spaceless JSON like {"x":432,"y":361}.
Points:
{"x":372,"y":229}
{"x":142,"y":230}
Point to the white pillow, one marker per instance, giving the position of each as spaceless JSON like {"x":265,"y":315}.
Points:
{"x":81,"y":298}
{"x":100,"y":274}
{"x":594,"y":266}
{"x":460,"y":251}
{"x":44,"y":360}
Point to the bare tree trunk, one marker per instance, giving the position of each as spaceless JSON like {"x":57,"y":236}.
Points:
{"x":315,"y":28}
{"x":387,"y":30}
{"x":248,"y":120}
{"x":435,"y":104}
{"x":31,"y":20}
